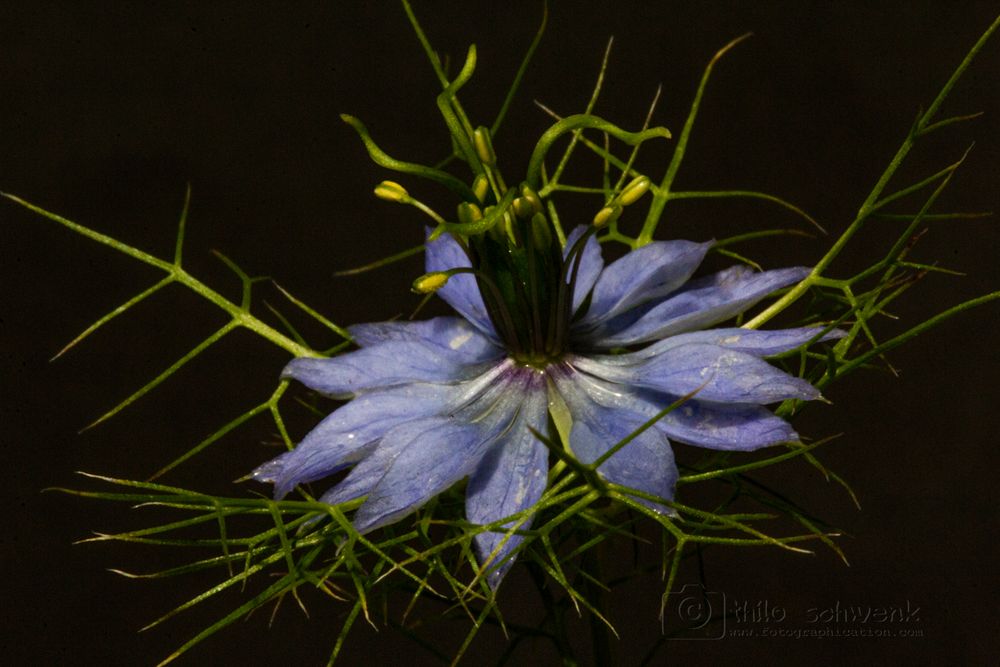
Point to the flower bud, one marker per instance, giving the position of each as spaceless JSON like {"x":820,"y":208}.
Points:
{"x":607,"y":215}
{"x":510,"y":230}
{"x":484,"y":146}
{"x":540,"y":231}
{"x":391,"y":191}
{"x":481,"y":187}
{"x":469,"y":213}
{"x":496,"y":231}
{"x":634,"y":190}
{"x":523,"y":208}
{"x":430,"y":282}
{"x":531,"y":196}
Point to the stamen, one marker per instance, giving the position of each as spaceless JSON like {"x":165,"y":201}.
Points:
{"x":430,"y":282}
{"x":607,"y":215}
{"x":632,"y":192}
{"x":481,"y":187}
{"x":536,"y":316}
{"x":559,"y":323}
{"x":484,"y":146}
{"x":391,"y":191}
{"x":503,"y":320}
{"x":394,"y":192}
{"x":469,"y":213}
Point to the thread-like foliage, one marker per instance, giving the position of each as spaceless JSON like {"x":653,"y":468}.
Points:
{"x":305,"y":543}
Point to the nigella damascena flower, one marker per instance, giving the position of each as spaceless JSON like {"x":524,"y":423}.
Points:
{"x":437,"y":401}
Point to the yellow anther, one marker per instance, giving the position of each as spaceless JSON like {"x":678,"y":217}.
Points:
{"x":523,"y":208}
{"x":469,"y":213}
{"x":481,"y":187}
{"x":484,"y":146}
{"x":540,"y":231}
{"x":430,"y":282}
{"x":634,"y":190}
{"x":607,"y":215}
{"x":391,"y":191}
{"x":531,"y":196}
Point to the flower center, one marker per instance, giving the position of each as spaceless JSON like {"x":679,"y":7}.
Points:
{"x":527,"y":285}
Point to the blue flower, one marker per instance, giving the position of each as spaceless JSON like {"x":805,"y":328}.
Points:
{"x":434,"y":402}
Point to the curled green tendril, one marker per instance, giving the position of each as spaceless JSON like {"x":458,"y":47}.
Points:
{"x":444,"y":102}
{"x":583,"y":121}
{"x":382,"y":159}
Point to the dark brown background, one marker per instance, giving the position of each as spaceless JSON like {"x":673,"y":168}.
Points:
{"x":108,"y":109}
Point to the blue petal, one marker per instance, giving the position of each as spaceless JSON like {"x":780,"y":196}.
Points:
{"x":699,"y":305}
{"x":716,"y":373}
{"x":365,"y":476}
{"x":436,"y":458}
{"x":643,"y":275}
{"x":759,"y":343}
{"x":349,"y":433}
{"x":646,"y":463}
{"x":452,"y":334}
{"x":461,"y":291}
{"x":391,"y":363}
{"x":695,"y":422}
{"x":510,"y":478}
{"x":591,"y":263}
{"x":729,"y":427}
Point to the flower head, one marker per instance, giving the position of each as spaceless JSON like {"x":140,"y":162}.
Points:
{"x":434,"y":402}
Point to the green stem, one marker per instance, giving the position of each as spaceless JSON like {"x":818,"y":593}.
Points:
{"x":240,"y":316}
{"x":661,"y":195}
{"x":922,"y":126}
{"x":600,"y":634}
{"x":553,"y":612}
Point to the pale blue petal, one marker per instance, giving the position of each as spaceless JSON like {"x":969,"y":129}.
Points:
{"x":392,"y":363}
{"x":724,"y":426}
{"x":716,"y":373}
{"x":437,"y":458}
{"x":714,"y":425}
{"x":306,"y":464}
{"x":455,"y":336}
{"x":701,"y":304}
{"x":510,"y":478}
{"x":461,"y":291}
{"x":591,"y":264}
{"x":646,"y":463}
{"x":758,"y":342}
{"x":643,"y":275}
{"x":348,"y":434}
{"x":365,"y":476}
